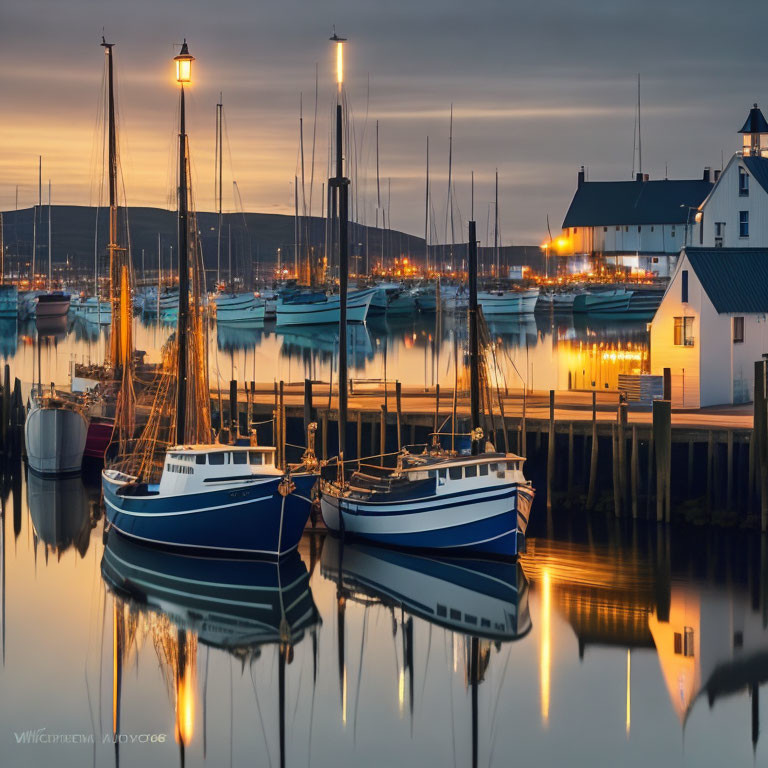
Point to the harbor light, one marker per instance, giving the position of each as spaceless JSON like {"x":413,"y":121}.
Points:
{"x":184,"y":65}
{"x":339,"y":58}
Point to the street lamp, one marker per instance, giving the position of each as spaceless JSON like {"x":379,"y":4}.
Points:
{"x":184,"y":65}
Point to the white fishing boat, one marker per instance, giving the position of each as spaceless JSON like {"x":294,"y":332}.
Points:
{"x":239,"y":308}
{"x":508,"y":302}
{"x":319,"y":309}
{"x":55,"y":432}
{"x":402,"y":303}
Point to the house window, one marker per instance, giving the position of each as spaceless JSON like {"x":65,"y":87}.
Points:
{"x":626,"y":229}
{"x":651,"y":228}
{"x":738,"y":330}
{"x":683,"y":332}
{"x":672,"y":232}
{"x":684,"y":286}
{"x":688,"y":644}
{"x":639,"y":229}
{"x":618,"y":228}
{"x":605,"y":229}
{"x":743,"y":182}
{"x":743,"y":223}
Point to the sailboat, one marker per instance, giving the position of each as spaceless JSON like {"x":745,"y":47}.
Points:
{"x":204,"y":496}
{"x":240,"y":307}
{"x":53,"y":304}
{"x":437,"y":499}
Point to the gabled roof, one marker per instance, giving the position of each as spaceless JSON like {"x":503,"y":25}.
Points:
{"x":755,"y":122}
{"x":734,"y":279}
{"x":758,"y":167}
{"x":609,"y":203}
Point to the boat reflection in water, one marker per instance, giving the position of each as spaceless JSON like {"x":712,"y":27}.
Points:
{"x":484,"y":603}
{"x":60,"y":509}
{"x":181,"y":601}
{"x":235,"y":337}
{"x":322,"y":343}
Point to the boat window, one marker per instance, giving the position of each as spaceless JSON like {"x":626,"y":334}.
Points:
{"x":483,"y":470}
{"x":470,"y":471}
{"x":493,"y":466}
{"x":441,"y":473}
{"x":200,"y":458}
{"x":485,"y":623}
{"x":470,"y":619}
{"x":455,"y":614}
{"x":454,"y":473}
{"x":215,"y":458}
{"x":432,"y":473}
{"x":254,"y":457}
{"x":441,"y":610}
{"x":240,"y":457}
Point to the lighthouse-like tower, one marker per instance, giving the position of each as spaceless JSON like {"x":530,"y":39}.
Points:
{"x":755,"y":134}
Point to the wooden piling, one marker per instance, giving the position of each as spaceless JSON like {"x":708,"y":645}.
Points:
{"x":437,"y":408}
{"x":760,"y":432}
{"x":729,"y":470}
{"x":710,"y":469}
{"x":382,"y":433}
{"x":359,"y":425}
{"x":308,"y":409}
{"x":6,"y":409}
{"x":690,"y":466}
{"x":233,"y":418}
{"x":615,"y":467}
{"x":399,"y":407}
{"x":324,"y":432}
{"x":621,"y":433}
{"x":593,"y":457}
{"x":634,"y":470}
{"x":282,"y":423}
{"x":551,"y":448}
{"x":662,"y":431}
{"x":570,"y":458}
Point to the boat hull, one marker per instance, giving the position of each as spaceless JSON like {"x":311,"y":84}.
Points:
{"x":99,"y":436}
{"x":239,"y":309}
{"x":55,"y":440}
{"x":249,"y":519}
{"x":52,"y":305}
{"x":487,"y":520}
{"x":510,"y":303}
{"x":324,"y":312}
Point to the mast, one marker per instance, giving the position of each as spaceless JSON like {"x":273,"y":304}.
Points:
{"x":639,"y":129}
{"x":37,"y":208}
{"x":50,"y":260}
{"x":426,"y":212}
{"x":496,"y":226}
{"x":474,"y":356}
{"x":183,"y":256}
{"x":378,"y":197}
{"x":450,"y":194}
{"x":219,"y":110}
{"x":342,"y":189}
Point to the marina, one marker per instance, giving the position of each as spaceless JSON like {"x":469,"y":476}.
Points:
{"x":283,"y":482}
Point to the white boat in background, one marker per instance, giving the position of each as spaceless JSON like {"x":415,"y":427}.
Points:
{"x":508,"y":302}
{"x":402,"y":303}
{"x":55,"y":432}
{"x":92,"y":310}
{"x":319,"y":310}
{"x":270,"y":303}
{"x":28,"y":304}
{"x":52,"y":305}
{"x":564,"y":301}
{"x":239,"y":308}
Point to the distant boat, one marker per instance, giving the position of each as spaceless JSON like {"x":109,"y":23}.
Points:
{"x":508,"y":302}
{"x":92,"y":310}
{"x":239,"y":308}
{"x":425,"y":297}
{"x":614,"y":300}
{"x":51,"y":305}
{"x":319,"y":309}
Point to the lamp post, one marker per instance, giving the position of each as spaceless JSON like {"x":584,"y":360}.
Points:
{"x":183,"y":77}
{"x":340,"y":188}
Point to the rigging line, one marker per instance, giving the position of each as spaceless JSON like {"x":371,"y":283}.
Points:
{"x":359,"y":675}
{"x":314,"y":137}
{"x":261,"y":718}
{"x":494,"y":730}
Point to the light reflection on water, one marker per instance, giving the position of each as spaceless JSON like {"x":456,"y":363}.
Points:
{"x":543,"y":352}
{"x":624,"y":645}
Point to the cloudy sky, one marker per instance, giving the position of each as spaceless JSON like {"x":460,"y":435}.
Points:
{"x":539,"y":87}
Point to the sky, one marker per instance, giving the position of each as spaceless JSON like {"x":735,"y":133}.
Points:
{"x":538,"y":87}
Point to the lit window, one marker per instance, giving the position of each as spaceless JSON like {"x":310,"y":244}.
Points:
{"x":683,"y":332}
{"x":738,"y":330}
{"x":743,"y":223}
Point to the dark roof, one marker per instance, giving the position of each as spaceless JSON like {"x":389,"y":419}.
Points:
{"x":735,"y":279}
{"x":755,"y":123}
{"x":758,"y":167}
{"x":607,"y":203}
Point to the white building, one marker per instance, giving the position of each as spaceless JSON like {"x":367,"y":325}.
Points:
{"x":712,"y":326}
{"x":639,"y":225}
{"x":735,"y":213}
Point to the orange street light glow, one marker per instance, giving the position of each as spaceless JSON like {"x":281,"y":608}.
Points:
{"x":339,"y":64}
{"x":184,"y":65}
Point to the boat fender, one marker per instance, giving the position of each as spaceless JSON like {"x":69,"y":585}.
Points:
{"x":286,"y":486}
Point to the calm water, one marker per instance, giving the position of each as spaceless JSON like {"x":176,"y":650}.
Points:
{"x":544,"y":352}
{"x":610,"y":646}
{"x":606,"y":645}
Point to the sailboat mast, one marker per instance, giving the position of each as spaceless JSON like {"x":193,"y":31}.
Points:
{"x":50,"y":260}
{"x":474,"y":354}
{"x":450,"y":184}
{"x":219,"y":110}
{"x":496,"y":226}
{"x":426,"y":213}
{"x":37,"y":208}
{"x":181,"y":329}
{"x":639,"y":130}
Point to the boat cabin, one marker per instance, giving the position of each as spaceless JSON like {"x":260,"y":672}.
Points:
{"x":198,"y":468}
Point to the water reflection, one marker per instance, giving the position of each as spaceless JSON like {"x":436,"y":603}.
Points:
{"x":182,"y":601}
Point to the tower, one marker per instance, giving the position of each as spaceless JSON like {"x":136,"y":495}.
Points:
{"x":755,"y":133}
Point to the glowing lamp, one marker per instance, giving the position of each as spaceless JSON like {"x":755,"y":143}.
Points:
{"x":339,"y":57}
{"x":184,"y":65}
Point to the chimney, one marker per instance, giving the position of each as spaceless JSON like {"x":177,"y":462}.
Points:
{"x":717,"y":174}
{"x":582,"y":176}
{"x":646,"y":176}
{"x":638,"y":176}
{"x":707,"y":174}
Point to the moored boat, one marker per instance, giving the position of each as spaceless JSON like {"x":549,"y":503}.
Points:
{"x":508,"y":302}
{"x":317,"y":309}
{"x":9,"y":301}
{"x":239,"y":308}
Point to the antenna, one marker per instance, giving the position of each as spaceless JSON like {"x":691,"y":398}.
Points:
{"x":639,"y":130}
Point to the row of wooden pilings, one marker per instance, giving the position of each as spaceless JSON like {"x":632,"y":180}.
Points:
{"x":12,"y":414}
